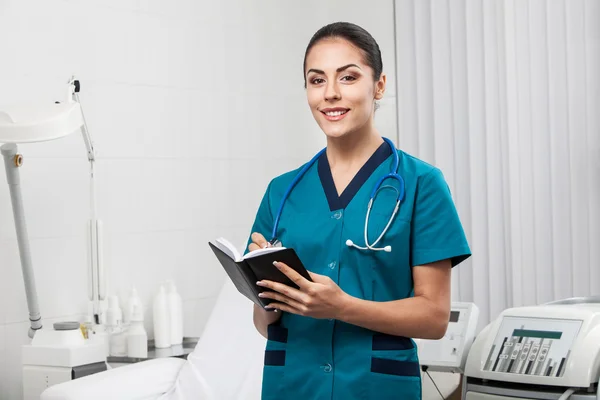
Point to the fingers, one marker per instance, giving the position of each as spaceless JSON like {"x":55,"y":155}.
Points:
{"x":294,"y":276}
{"x":258,"y":242}
{"x":280,"y":298}
{"x":285,"y":290}
{"x":253,"y":246}
{"x":259,"y":239}
{"x":319,"y":278}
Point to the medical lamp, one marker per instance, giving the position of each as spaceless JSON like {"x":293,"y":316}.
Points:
{"x":28,"y":124}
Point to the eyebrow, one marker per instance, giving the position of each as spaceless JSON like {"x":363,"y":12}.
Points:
{"x":340,"y":69}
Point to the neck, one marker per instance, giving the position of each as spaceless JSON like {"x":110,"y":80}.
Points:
{"x":353,"y":148}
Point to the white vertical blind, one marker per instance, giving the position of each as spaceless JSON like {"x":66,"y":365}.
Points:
{"x":504,"y":97}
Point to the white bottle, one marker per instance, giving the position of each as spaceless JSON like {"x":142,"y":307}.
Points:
{"x":114,"y":316}
{"x":162,"y":330}
{"x":114,"y":328}
{"x":137,"y":338}
{"x":175,"y":313}
{"x":134,"y":299}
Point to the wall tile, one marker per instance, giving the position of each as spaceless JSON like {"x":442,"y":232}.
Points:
{"x":146,"y":260}
{"x":60,"y":270}
{"x":135,"y":121}
{"x":55,"y":195}
{"x":140,"y":195}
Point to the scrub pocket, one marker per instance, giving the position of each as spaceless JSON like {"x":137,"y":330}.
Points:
{"x":274,"y":363}
{"x":395,"y":370}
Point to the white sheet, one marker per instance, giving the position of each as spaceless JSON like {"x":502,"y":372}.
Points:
{"x":228,"y":360}
{"x":142,"y":381}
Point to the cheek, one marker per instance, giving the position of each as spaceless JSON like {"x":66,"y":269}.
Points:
{"x":313,"y":98}
{"x":360,"y":97}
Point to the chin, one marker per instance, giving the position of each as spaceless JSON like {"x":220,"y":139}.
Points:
{"x":335,"y":133}
{"x":335,"y":130}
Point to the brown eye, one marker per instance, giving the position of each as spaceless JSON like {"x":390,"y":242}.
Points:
{"x":317,"y":81}
{"x":348,"y":78}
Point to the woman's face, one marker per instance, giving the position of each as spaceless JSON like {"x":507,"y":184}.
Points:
{"x":340,"y":87}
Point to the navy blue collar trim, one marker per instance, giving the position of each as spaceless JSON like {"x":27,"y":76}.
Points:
{"x":341,"y":202}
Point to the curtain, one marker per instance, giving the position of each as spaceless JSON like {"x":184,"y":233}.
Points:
{"x":504,"y":97}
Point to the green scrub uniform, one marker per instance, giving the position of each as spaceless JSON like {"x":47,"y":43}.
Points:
{"x":308,"y":358}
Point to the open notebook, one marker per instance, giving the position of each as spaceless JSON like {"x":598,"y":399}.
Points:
{"x":246,"y":270}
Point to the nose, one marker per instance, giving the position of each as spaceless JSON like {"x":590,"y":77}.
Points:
{"x":332,"y":91}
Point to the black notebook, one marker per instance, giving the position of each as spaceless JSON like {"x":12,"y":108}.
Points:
{"x":245,"y":271}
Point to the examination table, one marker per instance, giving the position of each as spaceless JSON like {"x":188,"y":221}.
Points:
{"x":231,"y":370}
{"x":225,"y":365}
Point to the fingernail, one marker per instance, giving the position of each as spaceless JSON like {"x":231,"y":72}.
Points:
{"x":260,"y":283}
{"x":276,"y":263}
{"x":261,"y":295}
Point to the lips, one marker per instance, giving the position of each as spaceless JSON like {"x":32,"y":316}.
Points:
{"x":335,"y":114}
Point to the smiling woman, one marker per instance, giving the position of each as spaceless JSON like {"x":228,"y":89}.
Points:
{"x":348,"y":333}
{"x":343,"y":78}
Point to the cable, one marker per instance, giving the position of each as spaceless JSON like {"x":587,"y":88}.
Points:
{"x":567,"y":394}
{"x":432,"y":381}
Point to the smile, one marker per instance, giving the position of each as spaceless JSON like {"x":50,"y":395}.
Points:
{"x":335,"y":114}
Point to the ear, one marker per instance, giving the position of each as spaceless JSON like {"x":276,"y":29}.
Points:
{"x":380,"y":87}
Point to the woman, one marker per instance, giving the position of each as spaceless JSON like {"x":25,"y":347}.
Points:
{"x":346,"y":334}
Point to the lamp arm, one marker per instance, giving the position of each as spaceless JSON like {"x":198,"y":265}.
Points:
{"x":74,"y":88}
{"x":97,"y":288}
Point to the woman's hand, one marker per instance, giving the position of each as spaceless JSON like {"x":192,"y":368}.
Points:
{"x":258,"y":242}
{"x":321,"y":298}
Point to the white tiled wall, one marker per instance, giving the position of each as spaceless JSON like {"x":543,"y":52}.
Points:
{"x":190,"y":103}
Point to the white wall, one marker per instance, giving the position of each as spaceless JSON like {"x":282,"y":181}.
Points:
{"x":190,"y":104}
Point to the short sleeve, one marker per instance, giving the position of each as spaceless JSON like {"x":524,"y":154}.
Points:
{"x":437,"y":233}
{"x":263,"y":222}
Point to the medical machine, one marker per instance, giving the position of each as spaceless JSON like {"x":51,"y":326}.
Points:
{"x":550,"y":351}
{"x":449,"y":354}
{"x":61,"y":353}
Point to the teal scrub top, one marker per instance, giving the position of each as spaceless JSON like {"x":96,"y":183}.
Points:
{"x":308,"y":358}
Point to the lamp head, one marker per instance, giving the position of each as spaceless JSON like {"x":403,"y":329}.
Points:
{"x":28,"y":124}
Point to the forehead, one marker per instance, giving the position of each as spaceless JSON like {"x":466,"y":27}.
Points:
{"x":330,"y":54}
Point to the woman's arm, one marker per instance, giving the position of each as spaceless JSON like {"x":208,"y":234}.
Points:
{"x":423,"y":316}
{"x":263,"y":318}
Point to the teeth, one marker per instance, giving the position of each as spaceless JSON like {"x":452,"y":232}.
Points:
{"x":335,"y":113}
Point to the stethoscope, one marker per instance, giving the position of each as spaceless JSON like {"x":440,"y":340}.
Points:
{"x":392,"y":175}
